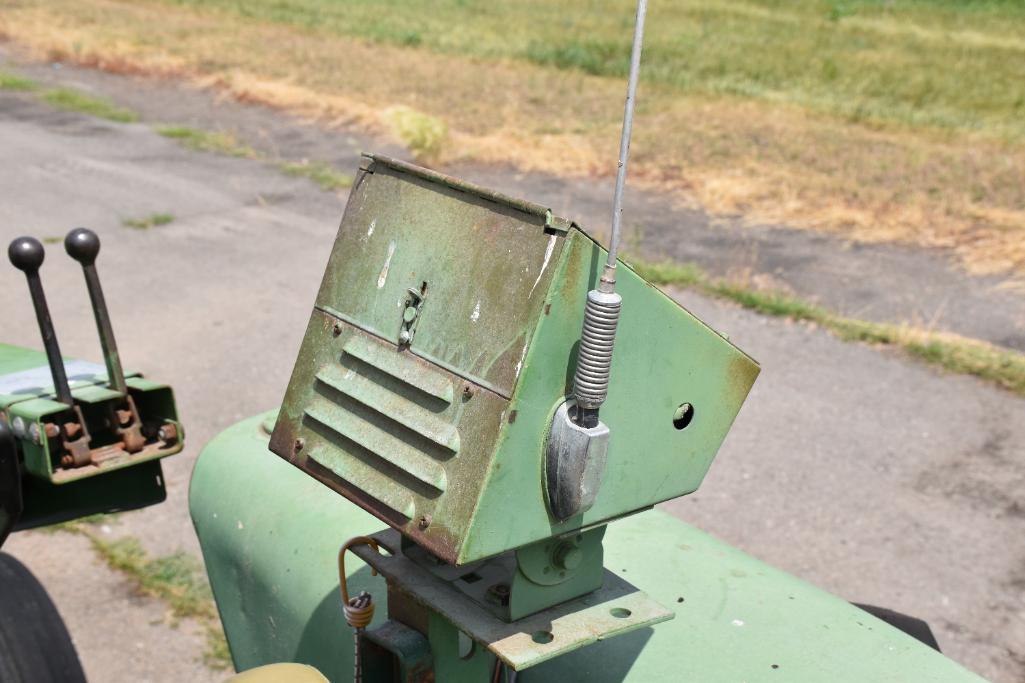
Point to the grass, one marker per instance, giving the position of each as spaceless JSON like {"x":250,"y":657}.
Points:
{"x":422,"y":134}
{"x":177,"y":580}
{"x":319,"y":172}
{"x":908,"y":62}
{"x":73,"y":100}
{"x":10,"y":81}
{"x":219,"y":142}
{"x":207,"y":141}
{"x":951,"y":352}
{"x":877,"y":121}
{"x":147,"y":222}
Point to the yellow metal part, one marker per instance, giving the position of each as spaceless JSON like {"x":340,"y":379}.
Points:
{"x":280,"y":673}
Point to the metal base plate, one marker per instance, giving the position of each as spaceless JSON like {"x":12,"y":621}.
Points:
{"x":615,"y":608}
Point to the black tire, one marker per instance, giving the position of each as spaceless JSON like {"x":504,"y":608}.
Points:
{"x":35,"y":646}
{"x":913,"y":626}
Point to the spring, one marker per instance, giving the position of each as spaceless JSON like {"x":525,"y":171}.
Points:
{"x":591,"y":381}
{"x":359,"y":611}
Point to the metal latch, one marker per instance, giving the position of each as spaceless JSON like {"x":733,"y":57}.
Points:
{"x":411,"y":313}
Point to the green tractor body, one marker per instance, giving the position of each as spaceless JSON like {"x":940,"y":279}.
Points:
{"x":419,"y":422}
{"x":270,"y":542}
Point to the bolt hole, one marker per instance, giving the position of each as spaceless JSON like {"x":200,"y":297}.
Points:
{"x":775,"y":666}
{"x":679,"y":599}
{"x":542,"y":637}
{"x":683,"y":416}
{"x":620,"y":612}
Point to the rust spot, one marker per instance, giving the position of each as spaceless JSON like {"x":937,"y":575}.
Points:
{"x":741,"y":373}
{"x":512,"y":416}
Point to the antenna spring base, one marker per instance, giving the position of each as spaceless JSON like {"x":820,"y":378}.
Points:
{"x":591,"y":381}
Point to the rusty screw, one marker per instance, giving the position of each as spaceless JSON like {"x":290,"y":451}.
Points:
{"x":168,"y":433}
{"x":467,"y":390}
{"x":337,"y":329}
{"x":299,"y":443}
{"x":424,"y":521}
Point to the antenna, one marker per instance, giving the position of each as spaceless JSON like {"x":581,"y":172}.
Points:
{"x":601,"y":315}
{"x":27,"y":254}
{"x":624,"y":143}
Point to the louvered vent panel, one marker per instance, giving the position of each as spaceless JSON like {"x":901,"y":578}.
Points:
{"x":382,"y":416}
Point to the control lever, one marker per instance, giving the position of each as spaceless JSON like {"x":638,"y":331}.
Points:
{"x":26,"y":254}
{"x":83,"y":245}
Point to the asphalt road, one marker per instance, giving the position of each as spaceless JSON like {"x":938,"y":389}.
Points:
{"x":861,"y":471}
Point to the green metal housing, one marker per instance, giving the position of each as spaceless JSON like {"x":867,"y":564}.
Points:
{"x":270,"y":542}
{"x":52,"y":493}
{"x":443,"y":437}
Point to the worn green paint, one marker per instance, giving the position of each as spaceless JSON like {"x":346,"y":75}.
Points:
{"x":35,"y":405}
{"x":270,"y":541}
{"x":608,"y":608}
{"x":505,"y":284}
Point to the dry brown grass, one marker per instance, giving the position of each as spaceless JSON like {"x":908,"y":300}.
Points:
{"x":766,"y":162}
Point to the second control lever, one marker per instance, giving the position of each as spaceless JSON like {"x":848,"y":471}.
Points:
{"x":83,"y":245}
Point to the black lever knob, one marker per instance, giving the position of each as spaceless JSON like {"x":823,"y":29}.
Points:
{"x":83,"y":245}
{"x":26,"y":254}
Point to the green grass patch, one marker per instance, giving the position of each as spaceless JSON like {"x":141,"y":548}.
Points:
{"x":948,"y":63}
{"x":422,"y":134}
{"x":218,"y":142}
{"x":73,"y":100}
{"x":953,"y":353}
{"x":207,"y":141}
{"x":319,"y":172}
{"x":178,"y":580}
{"x":147,"y":222}
{"x":9,"y":81}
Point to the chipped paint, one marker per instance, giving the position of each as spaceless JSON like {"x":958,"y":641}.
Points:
{"x":383,"y":277}
{"x":370,"y":230}
{"x":523,"y":355}
{"x":475,"y":316}
{"x":544,"y":264}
